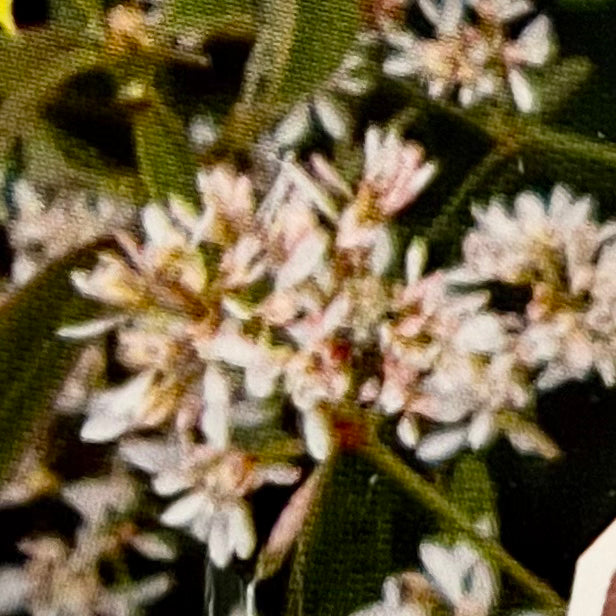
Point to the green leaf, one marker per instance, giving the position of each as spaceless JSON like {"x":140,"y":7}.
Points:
{"x":299,"y":46}
{"x":346,"y":552}
{"x":76,"y":163}
{"x":39,"y":64}
{"x":166,"y":163}
{"x":557,"y":85}
{"x":472,"y":490}
{"x":303,"y":43}
{"x":34,"y":360}
{"x":209,"y":18}
{"x":79,"y":15}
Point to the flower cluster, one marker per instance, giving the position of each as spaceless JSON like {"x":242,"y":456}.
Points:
{"x":473,"y":58}
{"x":455,"y":581}
{"x":61,"y":579}
{"x":235,"y":317}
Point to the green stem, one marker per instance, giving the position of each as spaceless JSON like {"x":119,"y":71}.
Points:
{"x":431,"y":498}
{"x":569,"y":144}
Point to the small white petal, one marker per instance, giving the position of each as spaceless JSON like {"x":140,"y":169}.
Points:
{"x":480,"y":334}
{"x":522,"y":92}
{"x":317,"y":434}
{"x":217,"y":407}
{"x":90,"y":329}
{"x":242,"y":532}
{"x":481,"y":430}
{"x":441,"y":445}
{"x":331,"y":117}
{"x":112,"y":412}
{"x":158,"y":227}
{"x":533,"y":44}
{"x":220,"y":544}
{"x":153,"y":547}
{"x":184,"y":510}
{"x":14,"y":589}
{"x":444,"y":568}
{"x":408,"y":432}
{"x":303,"y":261}
{"x":415,"y":262}
{"x":294,"y":127}
{"x":170,"y":482}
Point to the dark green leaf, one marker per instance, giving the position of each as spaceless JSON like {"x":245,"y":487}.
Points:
{"x":561,"y":82}
{"x":299,"y":46}
{"x":166,"y":163}
{"x":208,"y":18}
{"x":79,"y":15}
{"x":36,"y":67}
{"x":33,"y":359}
{"x":471,"y":488}
{"x":346,"y":552}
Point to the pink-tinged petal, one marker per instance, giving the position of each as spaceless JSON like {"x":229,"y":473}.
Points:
{"x":329,"y":177}
{"x":287,"y":527}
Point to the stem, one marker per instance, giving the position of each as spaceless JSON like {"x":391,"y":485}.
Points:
{"x":430,"y":497}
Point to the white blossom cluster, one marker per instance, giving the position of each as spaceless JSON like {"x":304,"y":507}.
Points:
{"x":455,"y":580}
{"x":46,"y":229}
{"x":470,"y":54}
{"x":229,"y":316}
{"x":58,"y":579}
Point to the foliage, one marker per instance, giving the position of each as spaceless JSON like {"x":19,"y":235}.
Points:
{"x":178,"y":109}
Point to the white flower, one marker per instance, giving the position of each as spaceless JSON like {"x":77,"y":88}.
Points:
{"x":55,"y":581}
{"x":463,"y":57}
{"x":261,"y":362}
{"x":113,"y":412}
{"x":228,"y":203}
{"x":394,"y":170}
{"x":212,"y":486}
{"x":461,"y":576}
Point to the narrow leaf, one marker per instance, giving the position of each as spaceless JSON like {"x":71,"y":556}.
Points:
{"x":33,"y":359}
{"x":346,"y":551}
{"x":472,"y":490}
{"x":166,"y":163}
